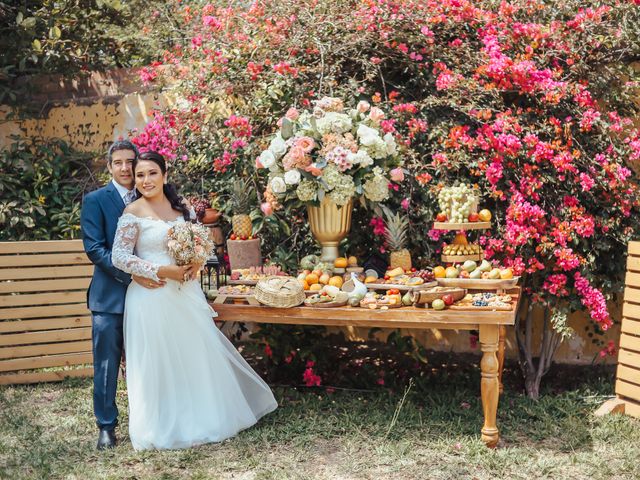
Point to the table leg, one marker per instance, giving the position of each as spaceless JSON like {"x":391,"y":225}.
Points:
{"x":503,"y":334}
{"x":489,"y":383}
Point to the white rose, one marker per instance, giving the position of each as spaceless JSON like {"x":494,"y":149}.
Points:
{"x":391,"y":143}
{"x":292,"y":177}
{"x":278,"y":185}
{"x":267,"y":159}
{"x":278,"y":147}
{"x":368,"y":136}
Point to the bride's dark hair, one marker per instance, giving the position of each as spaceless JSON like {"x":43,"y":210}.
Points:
{"x":176,"y":201}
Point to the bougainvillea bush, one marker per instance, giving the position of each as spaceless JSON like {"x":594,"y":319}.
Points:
{"x":531,"y":101}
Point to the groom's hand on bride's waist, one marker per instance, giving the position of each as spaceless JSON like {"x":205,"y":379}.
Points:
{"x":147,"y":282}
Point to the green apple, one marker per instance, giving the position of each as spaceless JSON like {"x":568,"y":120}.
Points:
{"x":485,"y":266}
{"x":476,"y":274}
{"x":438,"y":304}
{"x":494,"y":274}
{"x":469,"y":266}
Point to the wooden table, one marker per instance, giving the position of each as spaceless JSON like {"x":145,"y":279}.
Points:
{"x":491,"y":325}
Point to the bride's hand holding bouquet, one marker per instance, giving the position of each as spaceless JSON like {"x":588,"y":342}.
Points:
{"x":190,"y":246}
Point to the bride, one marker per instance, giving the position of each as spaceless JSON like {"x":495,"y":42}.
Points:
{"x":186,"y":383}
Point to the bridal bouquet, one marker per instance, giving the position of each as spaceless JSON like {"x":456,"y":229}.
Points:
{"x":189,"y":243}
{"x":331,"y":151}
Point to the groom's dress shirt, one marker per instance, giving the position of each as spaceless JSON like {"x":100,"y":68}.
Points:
{"x":127,"y":196}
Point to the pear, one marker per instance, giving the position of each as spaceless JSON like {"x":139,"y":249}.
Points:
{"x":452,"y":272}
{"x":494,"y":274}
{"x":469,"y":266}
{"x":407,"y":299}
{"x":485,"y":266}
{"x":476,"y":274}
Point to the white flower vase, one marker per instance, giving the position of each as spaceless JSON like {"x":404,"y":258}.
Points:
{"x":329,"y":225}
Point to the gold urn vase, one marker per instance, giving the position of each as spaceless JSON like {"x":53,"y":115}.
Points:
{"x":329,"y":225}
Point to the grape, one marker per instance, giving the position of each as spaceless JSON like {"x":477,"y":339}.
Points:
{"x":455,"y":202}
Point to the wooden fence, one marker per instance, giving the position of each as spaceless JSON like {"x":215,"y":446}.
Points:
{"x":628,"y":374}
{"x":45,"y":326}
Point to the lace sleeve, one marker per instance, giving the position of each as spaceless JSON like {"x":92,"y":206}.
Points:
{"x":122,"y":252}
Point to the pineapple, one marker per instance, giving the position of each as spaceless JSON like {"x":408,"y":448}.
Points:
{"x":241,"y":221}
{"x":396,"y":237}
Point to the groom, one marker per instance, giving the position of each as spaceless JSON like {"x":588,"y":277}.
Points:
{"x":105,"y":298}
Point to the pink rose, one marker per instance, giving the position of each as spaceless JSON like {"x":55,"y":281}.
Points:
{"x":292,"y":114}
{"x":376,"y":115}
{"x":397,"y":175}
{"x":266,"y":208}
{"x":306,"y":144}
{"x":363,"y":106}
{"x":258,"y":164}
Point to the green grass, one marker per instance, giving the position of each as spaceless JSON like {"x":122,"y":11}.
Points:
{"x":47,"y":431}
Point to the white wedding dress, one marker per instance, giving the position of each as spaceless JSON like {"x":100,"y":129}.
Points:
{"x":186,"y":382}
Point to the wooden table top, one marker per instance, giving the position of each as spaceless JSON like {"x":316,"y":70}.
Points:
{"x":404,"y":317}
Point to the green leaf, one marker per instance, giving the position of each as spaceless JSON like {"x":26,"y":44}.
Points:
{"x":19,"y":18}
{"x":36,"y":45}
{"x":287,"y":129}
{"x":55,"y":33}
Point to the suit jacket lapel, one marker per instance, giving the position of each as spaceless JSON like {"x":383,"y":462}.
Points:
{"x":115,"y":197}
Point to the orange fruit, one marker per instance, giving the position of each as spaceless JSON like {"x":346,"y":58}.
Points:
{"x":352,"y":261}
{"x":316,"y":287}
{"x":312,"y":278}
{"x":324,"y":278}
{"x":439,"y":272}
{"x":371,"y":280}
{"x":336,"y":281}
{"x":340,"y":262}
{"x":305,"y":285}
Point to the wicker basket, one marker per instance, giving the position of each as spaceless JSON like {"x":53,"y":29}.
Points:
{"x":280,"y":292}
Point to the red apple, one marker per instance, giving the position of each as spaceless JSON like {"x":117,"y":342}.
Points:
{"x":233,"y":236}
{"x":473,"y":217}
{"x":244,"y":237}
{"x":441,"y":217}
{"x":447,"y":299}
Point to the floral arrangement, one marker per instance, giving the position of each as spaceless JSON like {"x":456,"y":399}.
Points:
{"x":331,"y":151}
{"x":189,"y":243}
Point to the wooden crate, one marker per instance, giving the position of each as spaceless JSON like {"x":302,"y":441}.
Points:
{"x":45,"y":326}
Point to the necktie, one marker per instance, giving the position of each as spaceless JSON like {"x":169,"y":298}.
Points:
{"x":129,"y":197}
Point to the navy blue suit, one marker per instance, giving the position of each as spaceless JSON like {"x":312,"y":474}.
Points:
{"x":105,"y":298}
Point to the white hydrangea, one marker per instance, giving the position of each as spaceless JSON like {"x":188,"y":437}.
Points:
{"x":306,"y":190}
{"x":391,"y":143}
{"x":377,"y":149}
{"x":292,"y":177}
{"x":376,"y":188}
{"x":334,"y":122}
{"x":361,"y":158}
{"x":367,"y":135}
{"x":278,"y":185}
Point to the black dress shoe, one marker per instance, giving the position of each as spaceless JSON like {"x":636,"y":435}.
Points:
{"x":106,"y":439}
